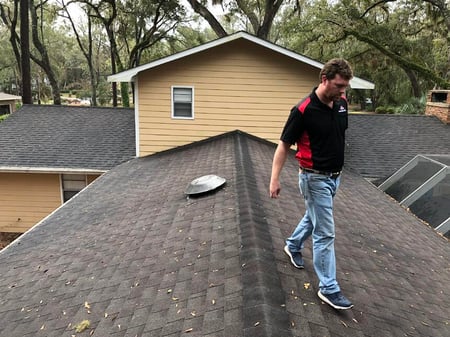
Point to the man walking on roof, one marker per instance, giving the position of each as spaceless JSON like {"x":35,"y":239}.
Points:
{"x":317,"y":125}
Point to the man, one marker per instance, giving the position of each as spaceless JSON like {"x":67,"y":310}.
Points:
{"x":317,"y":125}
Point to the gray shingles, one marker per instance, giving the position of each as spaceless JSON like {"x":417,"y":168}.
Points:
{"x":67,"y":137}
{"x":379,"y":145}
{"x":136,"y":249}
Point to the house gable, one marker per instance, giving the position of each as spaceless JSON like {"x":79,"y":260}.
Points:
{"x":238,"y":85}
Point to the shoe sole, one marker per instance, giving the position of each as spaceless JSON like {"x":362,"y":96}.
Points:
{"x":288,"y":253}
{"x":327,"y":301}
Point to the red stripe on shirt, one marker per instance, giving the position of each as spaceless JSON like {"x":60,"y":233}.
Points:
{"x":304,"y":153}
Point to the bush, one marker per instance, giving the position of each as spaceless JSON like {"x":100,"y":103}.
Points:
{"x":386,"y":110}
{"x":413,"y":106}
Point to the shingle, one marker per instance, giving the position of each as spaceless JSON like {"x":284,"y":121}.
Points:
{"x":379,"y":145}
{"x":158,"y":264}
{"x":67,"y":137}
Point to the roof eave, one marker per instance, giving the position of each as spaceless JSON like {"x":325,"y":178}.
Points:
{"x":49,"y":170}
{"x":359,"y":83}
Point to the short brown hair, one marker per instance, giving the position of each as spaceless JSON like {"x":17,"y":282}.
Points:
{"x":336,"y":67}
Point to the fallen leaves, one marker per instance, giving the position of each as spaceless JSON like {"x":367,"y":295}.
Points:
{"x":83,"y":325}
{"x":88,"y":307}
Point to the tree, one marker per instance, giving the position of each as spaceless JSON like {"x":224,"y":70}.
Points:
{"x":10,"y":16}
{"x":142,"y":25}
{"x":105,"y":11}
{"x":42,"y":57}
{"x":87,"y":51}
{"x":25,"y":53}
{"x":259,"y":13}
{"x":386,"y":35}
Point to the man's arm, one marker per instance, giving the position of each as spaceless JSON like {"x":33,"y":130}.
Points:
{"x":279,"y":159}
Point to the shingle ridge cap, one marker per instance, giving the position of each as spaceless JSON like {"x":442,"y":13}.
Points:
{"x":263,"y":296}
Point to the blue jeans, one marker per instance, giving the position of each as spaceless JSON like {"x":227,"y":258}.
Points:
{"x":318,"y":192}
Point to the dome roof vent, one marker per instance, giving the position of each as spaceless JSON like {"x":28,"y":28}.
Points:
{"x":204,"y":184}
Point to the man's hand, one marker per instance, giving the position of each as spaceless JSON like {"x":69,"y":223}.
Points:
{"x":278,"y":161}
{"x":274,"y":189}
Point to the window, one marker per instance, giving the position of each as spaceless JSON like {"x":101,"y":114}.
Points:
{"x":423,"y":186}
{"x":72,"y":184}
{"x":183,"y":102}
{"x":4,"y":109}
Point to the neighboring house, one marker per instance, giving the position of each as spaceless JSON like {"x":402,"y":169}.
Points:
{"x":49,"y":153}
{"x":8,"y":103}
{"x":235,"y":82}
{"x":133,"y":256}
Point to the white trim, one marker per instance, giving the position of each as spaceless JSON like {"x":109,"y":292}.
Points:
{"x":401,"y":172}
{"x":424,"y":188}
{"x":62,"y":184}
{"x":444,"y":227}
{"x":173,"y":102}
{"x":136,"y":117}
{"x":61,"y":188}
{"x":130,"y":75}
{"x":52,"y":170}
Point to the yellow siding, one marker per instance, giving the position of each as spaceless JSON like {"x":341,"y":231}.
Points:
{"x":91,"y":178}
{"x":236,"y":86}
{"x":25,"y":199}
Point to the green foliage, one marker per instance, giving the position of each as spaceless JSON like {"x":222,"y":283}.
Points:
{"x":413,"y":106}
{"x":402,"y":46}
{"x":390,"y":43}
{"x":386,"y":110}
{"x":3,"y":117}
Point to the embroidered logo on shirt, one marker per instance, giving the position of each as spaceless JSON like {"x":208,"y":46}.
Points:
{"x":342,"y":109}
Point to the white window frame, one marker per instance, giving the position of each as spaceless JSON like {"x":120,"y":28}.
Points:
{"x":174,"y":87}
{"x":77,"y":190}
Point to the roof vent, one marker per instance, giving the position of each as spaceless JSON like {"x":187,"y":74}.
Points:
{"x":204,"y":184}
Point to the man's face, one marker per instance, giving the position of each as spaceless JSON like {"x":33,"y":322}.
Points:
{"x":335,"y":88}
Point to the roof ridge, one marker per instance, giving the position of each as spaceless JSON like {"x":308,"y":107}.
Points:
{"x":263,"y":294}
{"x":233,"y":133}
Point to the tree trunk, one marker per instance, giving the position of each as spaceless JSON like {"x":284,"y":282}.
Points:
{"x":208,"y":16}
{"x":44,"y":61}
{"x":27,"y":97}
{"x":87,"y":54}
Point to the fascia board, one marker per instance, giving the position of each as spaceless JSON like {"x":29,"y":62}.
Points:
{"x":50,"y":170}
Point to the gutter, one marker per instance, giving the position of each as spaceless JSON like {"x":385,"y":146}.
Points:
{"x":49,"y":170}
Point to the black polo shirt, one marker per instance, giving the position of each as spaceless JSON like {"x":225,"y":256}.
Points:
{"x":319,"y":132}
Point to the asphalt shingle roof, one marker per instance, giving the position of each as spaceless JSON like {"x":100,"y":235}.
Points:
{"x":379,"y":145}
{"x":135,"y":257}
{"x":43,"y":136}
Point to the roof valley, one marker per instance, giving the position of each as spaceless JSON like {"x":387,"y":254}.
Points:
{"x":263,"y":295}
